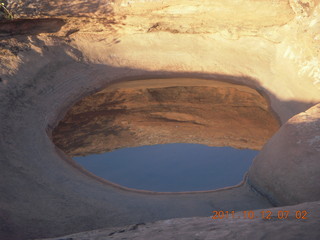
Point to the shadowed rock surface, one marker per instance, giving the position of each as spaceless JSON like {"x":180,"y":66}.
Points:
{"x":270,"y":46}
{"x":30,"y":26}
{"x":214,"y":229}
{"x":292,"y":157}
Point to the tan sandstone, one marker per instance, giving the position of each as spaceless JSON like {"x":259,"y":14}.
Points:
{"x":82,"y":47}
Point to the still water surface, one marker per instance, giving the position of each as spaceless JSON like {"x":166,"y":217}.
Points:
{"x":171,"y":167}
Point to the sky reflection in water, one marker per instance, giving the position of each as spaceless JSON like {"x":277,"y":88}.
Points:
{"x":171,"y":167}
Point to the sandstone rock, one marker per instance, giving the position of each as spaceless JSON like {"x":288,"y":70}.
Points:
{"x":269,"y":46}
{"x":288,"y":167}
{"x":30,"y":26}
{"x":209,"y":229}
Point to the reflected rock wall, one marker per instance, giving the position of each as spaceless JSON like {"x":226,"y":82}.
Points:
{"x":159,"y":111}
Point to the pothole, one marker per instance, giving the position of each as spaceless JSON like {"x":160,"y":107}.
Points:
{"x":143,"y":113}
{"x":178,"y":167}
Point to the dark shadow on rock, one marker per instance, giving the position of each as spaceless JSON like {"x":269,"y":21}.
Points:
{"x":30,"y":26}
{"x":60,"y":8}
{"x":44,"y":202}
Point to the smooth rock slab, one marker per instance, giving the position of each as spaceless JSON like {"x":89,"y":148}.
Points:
{"x":287,"y":170}
{"x":224,"y":229}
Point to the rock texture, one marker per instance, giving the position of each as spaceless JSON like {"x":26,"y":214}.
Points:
{"x":30,"y":26}
{"x":162,"y":111}
{"x":269,"y":46}
{"x":209,"y":229}
{"x":292,"y":158}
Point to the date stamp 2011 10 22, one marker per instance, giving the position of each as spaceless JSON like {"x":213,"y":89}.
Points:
{"x":265,"y":214}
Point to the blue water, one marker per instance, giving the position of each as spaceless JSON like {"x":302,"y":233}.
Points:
{"x":171,"y":167}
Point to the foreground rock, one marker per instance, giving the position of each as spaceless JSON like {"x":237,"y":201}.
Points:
{"x":292,"y":157}
{"x":258,"y":228}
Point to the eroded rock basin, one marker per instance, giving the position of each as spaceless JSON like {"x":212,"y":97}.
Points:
{"x":272,"y":46}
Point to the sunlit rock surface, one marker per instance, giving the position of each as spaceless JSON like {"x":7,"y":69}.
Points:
{"x":270,"y":46}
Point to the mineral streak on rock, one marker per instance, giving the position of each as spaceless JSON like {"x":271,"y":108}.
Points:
{"x":158,"y":111}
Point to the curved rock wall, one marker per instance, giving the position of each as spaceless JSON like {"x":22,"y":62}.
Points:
{"x":287,"y":169}
{"x":271,"y":46}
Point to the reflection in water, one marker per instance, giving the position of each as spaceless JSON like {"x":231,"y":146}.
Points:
{"x":171,"y":167}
